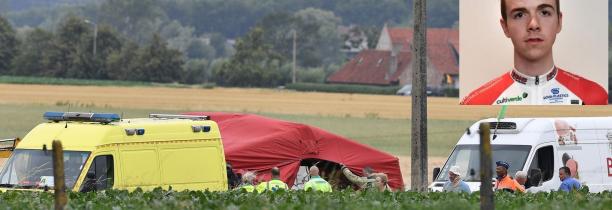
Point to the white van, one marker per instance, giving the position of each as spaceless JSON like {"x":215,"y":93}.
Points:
{"x":545,"y":144}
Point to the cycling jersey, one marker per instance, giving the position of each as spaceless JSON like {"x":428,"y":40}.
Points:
{"x":555,"y":87}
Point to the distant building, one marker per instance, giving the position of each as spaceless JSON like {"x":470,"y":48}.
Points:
{"x":390,"y":63}
{"x":354,"y":38}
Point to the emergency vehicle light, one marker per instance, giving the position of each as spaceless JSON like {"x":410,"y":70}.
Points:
{"x":137,"y":131}
{"x":82,"y":117}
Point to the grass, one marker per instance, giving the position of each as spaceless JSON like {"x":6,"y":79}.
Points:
{"x":90,"y":82}
{"x":390,"y":135}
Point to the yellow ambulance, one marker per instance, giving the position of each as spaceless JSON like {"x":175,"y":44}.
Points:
{"x":103,"y":151}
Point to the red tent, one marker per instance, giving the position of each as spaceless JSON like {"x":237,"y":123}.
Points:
{"x":257,"y":143}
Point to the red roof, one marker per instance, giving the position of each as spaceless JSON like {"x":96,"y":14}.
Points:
{"x":257,"y":143}
{"x":371,"y":67}
{"x":442,"y":52}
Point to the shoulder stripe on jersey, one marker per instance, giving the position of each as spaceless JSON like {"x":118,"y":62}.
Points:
{"x":588,"y":91}
{"x":489,"y":92}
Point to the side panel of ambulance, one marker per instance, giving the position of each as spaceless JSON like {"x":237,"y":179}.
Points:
{"x":184,"y":156}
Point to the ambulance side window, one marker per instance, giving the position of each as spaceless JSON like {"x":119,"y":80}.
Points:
{"x":544,"y":161}
{"x":100,"y":175}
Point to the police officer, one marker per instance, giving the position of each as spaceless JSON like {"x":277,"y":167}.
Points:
{"x":316,"y":182}
{"x":274,"y":184}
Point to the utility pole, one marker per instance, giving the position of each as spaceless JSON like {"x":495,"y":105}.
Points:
{"x":486,"y":187}
{"x":419,"y":99}
{"x":293,"y":80}
{"x":95,"y":35}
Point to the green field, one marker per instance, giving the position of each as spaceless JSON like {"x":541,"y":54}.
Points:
{"x":89,"y":82}
{"x":390,"y":135}
{"x":234,"y":200}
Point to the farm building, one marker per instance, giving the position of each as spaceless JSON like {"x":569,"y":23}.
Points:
{"x":390,"y":63}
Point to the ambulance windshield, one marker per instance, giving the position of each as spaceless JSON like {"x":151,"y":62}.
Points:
{"x":30,"y":169}
{"x":467,"y":157}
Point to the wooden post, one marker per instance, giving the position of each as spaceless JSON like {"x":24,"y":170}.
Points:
{"x":58,"y":175}
{"x":486,"y":185}
{"x":419,"y":99}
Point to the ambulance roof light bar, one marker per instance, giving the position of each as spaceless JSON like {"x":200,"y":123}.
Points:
{"x":179,"y":116}
{"x":82,"y":117}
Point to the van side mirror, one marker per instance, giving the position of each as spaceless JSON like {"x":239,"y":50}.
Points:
{"x":436,"y":171}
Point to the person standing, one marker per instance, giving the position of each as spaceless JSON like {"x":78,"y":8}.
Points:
{"x":274,"y":184}
{"x":248,"y":180}
{"x":454,"y":183}
{"x":567,"y":182}
{"x":504,"y":182}
{"x":521,"y":178}
{"x":317,"y":183}
{"x":363,"y":182}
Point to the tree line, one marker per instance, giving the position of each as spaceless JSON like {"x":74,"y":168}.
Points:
{"x":68,"y":52}
{"x":262,"y":57}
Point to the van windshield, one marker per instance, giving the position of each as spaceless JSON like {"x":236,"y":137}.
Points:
{"x":467,"y":157}
{"x":28,"y":169}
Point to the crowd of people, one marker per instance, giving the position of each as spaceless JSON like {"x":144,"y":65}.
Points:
{"x":369,"y":181}
{"x":505,"y":182}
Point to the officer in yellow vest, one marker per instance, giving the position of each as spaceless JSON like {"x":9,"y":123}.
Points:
{"x":247,"y":181}
{"x":317,"y":183}
{"x":274,"y":184}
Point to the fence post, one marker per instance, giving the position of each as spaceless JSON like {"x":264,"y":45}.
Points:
{"x":58,"y":175}
{"x":486,"y":185}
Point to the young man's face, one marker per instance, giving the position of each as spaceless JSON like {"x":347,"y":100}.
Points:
{"x":532,"y":25}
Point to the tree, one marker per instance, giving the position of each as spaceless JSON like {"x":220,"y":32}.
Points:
{"x":36,"y":53}
{"x":73,"y":60}
{"x":125,"y":64}
{"x":159,"y":63}
{"x":136,"y":19}
{"x":255,"y":63}
{"x":8,"y":45}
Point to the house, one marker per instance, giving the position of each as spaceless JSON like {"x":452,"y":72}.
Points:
{"x":389,"y":64}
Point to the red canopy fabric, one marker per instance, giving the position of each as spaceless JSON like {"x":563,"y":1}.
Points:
{"x":257,"y":143}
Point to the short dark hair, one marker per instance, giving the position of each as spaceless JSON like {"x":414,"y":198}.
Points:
{"x":566,"y":170}
{"x":275,"y":171}
{"x":505,"y":16}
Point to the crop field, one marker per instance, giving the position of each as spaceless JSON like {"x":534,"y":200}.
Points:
{"x":376,"y":120}
{"x":159,"y":199}
{"x":269,"y":101}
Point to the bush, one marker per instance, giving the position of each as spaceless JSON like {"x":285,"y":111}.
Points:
{"x":341,"y":88}
{"x":339,"y":200}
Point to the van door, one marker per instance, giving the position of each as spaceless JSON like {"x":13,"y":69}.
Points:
{"x":101,"y":173}
{"x":542,"y":169}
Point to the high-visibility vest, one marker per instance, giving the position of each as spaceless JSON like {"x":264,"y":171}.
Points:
{"x":508,"y":183}
{"x":248,"y":188}
{"x":272,"y":185}
{"x":318,"y":184}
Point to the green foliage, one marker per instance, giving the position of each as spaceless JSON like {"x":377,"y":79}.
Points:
{"x":159,"y":63}
{"x":254,"y":64}
{"x":8,"y":45}
{"x":161,"y":199}
{"x":311,"y":75}
{"x":341,"y":88}
{"x":89,"y":82}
